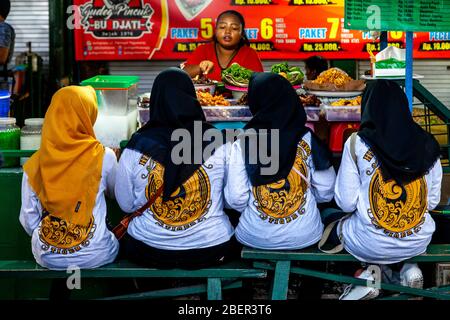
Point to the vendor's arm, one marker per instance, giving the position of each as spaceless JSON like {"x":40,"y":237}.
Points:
{"x":199,"y":62}
{"x":204,"y":67}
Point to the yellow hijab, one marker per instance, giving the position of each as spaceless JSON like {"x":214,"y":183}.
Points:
{"x":65,"y":173}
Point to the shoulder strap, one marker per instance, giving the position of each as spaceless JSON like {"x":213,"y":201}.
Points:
{"x":120,"y":230}
{"x":326,"y":235}
{"x":302,"y":176}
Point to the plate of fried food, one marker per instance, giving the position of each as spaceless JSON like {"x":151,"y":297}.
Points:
{"x":347,"y":102}
{"x":336,"y":83}
{"x":343,"y":109}
{"x":217,"y":108}
{"x":207,"y":99}
{"x":310,"y":100}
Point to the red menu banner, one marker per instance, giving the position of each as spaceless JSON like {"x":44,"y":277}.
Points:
{"x":277,"y":29}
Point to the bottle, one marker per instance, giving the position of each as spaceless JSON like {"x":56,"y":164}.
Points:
{"x":30,"y":136}
{"x":9,"y":139}
{"x":143,"y":107}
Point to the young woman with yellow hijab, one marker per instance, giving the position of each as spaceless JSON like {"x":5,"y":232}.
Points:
{"x":64,"y":186}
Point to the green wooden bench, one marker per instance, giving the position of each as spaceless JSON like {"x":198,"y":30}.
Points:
{"x":19,"y":272}
{"x":281,"y":263}
{"x":227,"y":276}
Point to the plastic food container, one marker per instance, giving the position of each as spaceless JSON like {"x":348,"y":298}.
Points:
{"x":227,"y":113}
{"x":110,"y":130}
{"x":30,"y":136}
{"x":211,"y":88}
{"x":9,"y":139}
{"x":312,"y":113}
{"x":352,"y":113}
{"x":117,"y":95}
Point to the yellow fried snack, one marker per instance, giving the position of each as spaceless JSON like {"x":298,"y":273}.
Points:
{"x":347,"y":102}
{"x":333,"y":75}
{"x":206,"y":99}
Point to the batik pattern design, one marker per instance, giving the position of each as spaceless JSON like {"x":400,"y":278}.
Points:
{"x":285,"y":198}
{"x":398,"y":210}
{"x":187,"y":205}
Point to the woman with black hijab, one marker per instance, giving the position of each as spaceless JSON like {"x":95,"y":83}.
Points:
{"x":390,"y":176}
{"x":186,"y":226}
{"x":278,"y":198}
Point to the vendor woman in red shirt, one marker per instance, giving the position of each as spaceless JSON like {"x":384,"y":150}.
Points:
{"x":230,"y":44}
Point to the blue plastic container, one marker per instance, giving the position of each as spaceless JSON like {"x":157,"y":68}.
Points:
{"x":4,"y":103}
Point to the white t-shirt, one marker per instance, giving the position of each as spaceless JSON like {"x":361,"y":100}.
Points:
{"x":390,"y":224}
{"x":100,"y":249}
{"x":192,"y":219}
{"x":282,"y":215}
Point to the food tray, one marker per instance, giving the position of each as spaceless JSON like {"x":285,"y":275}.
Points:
{"x":227,"y":113}
{"x":352,"y":113}
{"x":312,"y":113}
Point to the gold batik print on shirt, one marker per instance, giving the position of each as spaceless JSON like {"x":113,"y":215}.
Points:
{"x":187,"y":205}
{"x":63,"y":237}
{"x":281,"y":202}
{"x":398,"y":210}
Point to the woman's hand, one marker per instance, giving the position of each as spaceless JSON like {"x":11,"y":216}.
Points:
{"x":206,"y":66}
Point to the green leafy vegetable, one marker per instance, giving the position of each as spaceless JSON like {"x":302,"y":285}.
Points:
{"x":236,"y":75}
{"x":293,"y":74}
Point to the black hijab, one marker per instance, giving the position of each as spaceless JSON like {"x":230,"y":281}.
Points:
{"x":404,"y":150}
{"x":275,"y":105}
{"x":173,"y":105}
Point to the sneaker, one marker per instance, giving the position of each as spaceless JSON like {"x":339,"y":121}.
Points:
{"x":411,"y":276}
{"x":352,"y":292}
